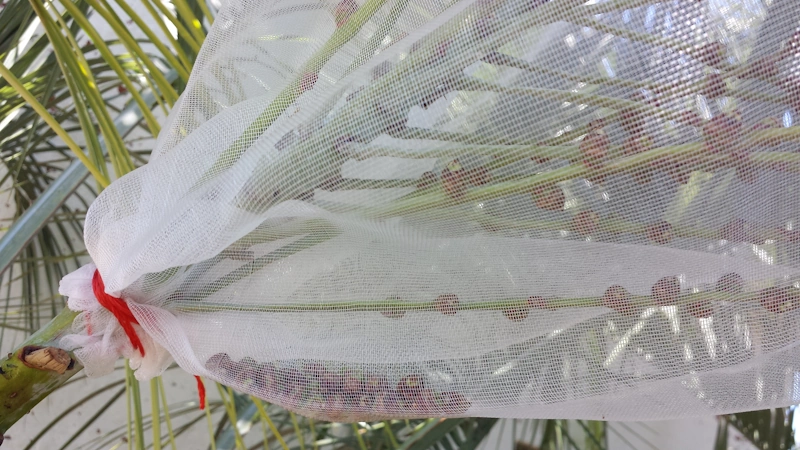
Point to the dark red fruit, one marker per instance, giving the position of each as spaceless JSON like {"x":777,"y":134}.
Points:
{"x":737,"y":230}
{"x":453,"y":403}
{"x":375,"y":384}
{"x":765,"y":68}
{"x":618,"y":299}
{"x":690,"y":118}
{"x":308,"y":81}
{"x":485,"y":26}
{"x":516,"y":313}
{"x":701,"y":309}
{"x":343,"y":11}
{"x":779,"y":299}
{"x":636,"y":144}
{"x":427,"y":180}
{"x":722,"y":132}
{"x":746,"y":170}
{"x":219,"y":361}
{"x":712,"y":53}
{"x":453,"y":180}
{"x":666,"y":290}
{"x":714,"y":86}
{"x":394,"y":313}
{"x":660,"y":232}
{"x":596,"y":124}
{"x":585,"y":223}
{"x":550,"y":198}
{"x":410,"y":387}
{"x":594,"y":148}
{"x":478,"y":176}
{"x":730,"y":283}
{"x":446,"y":304}
{"x":331,"y":384}
{"x":264,"y":378}
{"x":632,"y":118}
{"x":122,"y":89}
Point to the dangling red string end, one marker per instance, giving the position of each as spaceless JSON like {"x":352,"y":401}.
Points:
{"x":201,"y":392}
{"x":119,"y":308}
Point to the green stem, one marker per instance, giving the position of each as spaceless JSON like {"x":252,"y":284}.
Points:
{"x":265,"y":417}
{"x":22,"y":387}
{"x":350,"y":307}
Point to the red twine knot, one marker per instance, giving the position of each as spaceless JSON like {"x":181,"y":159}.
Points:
{"x":119,"y":308}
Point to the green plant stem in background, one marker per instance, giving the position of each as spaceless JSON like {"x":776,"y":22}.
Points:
{"x":53,"y":123}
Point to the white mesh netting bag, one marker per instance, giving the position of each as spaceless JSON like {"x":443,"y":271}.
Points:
{"x":511,"y":208}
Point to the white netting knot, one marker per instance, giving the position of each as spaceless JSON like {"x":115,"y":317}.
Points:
{"x":98,"y":339}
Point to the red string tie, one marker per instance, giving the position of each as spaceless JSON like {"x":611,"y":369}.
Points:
{"x":119,"y":308}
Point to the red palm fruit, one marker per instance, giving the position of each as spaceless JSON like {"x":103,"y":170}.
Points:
{"x":714,"y":86}
{"x":453,"y":403}
{"x":516,"y":313}
{"x":636,"y":144}
{"x":666,"y":290}
{"x":219,"y":361}
{"x":375,"y":384}
{"x":453,"y":180}
{"x":446,"y":304}
{"x":737,"y":230}
{"x":394,"y":313}
{"x":746,"y":170}
{"x":352,"y":385}
{"x":265,"y":379}
{"x":122,"y":89}
{"x":779,"y":299}
{"x":632,"y":118}
{"x":765,"y":68}
{"x":585,"y":223}
{"x":308,"y":81}
{"x":331,"y":383}
{"x":485,"y":26}
{"x":701,"y":309}
{"x":387,"y":402}
{"x":478,"y":176}
{"x":594,"y":148}
{"x":427,"y":180}
{"x":712,"y":53}
{"x":535,"y":158}
{"x":722,"y":132}
{"x":690,"y":118}
{"x":343,"y":11}
{"x":314,"y":370}
{"x":550,"y":198}
{"x":596,"y":124}
{"x":731,"y":283}
{"x":618,"y":299}
{"x":424,"y":404}
{"x":659,"y":232}
{"x":410,"y":387}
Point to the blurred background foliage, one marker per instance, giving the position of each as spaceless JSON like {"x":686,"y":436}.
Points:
{"x":95,"y":80}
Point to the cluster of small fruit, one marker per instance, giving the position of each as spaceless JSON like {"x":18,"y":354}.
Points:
{"x":317,"y":388}
{"x":666,"y":292}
